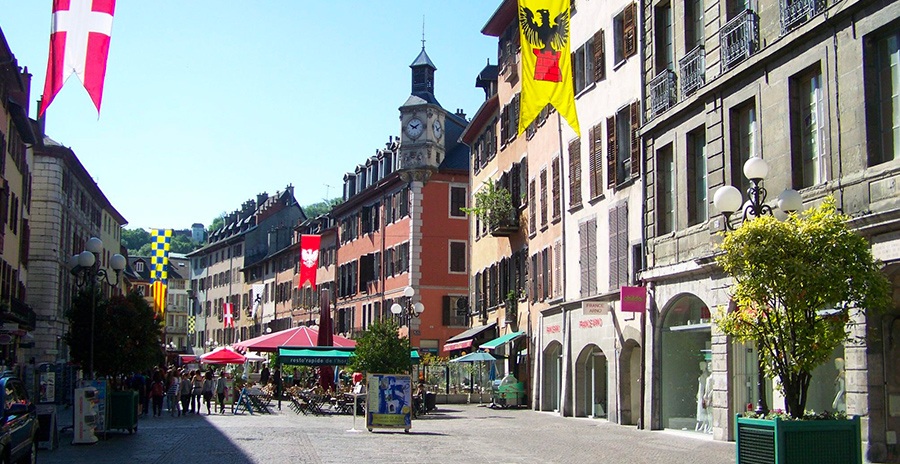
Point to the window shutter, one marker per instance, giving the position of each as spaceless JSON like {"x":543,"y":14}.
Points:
{"x":611,"y":152}
{"x":635,"y":139}
{"x":628,"y":30}
{"x":534,"y":278}
{"x":556,"y":188}
{"x":514,"y":118}
{"x":592,"y":256}
{"x":583,"y":259}
{"x":523,"y":180}
{"x":599,"y":56}
{"x":504,"y":124}
{"x":532,"y":207}
{"x":544,"y":197}
{"x":477,"y":285}
{"x":515,"y":180}
{"x":446,"y":310}
{"x":557,"y":268}
{"x":594,"y":136}
{"x":575,"y":173}
{"x":597,"y":162}
{"x":622,"y":243}
{"x":613,"y":248}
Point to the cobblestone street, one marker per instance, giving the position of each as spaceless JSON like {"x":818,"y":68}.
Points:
{"x":453,"y":434}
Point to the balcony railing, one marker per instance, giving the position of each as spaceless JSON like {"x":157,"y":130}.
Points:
{"x":739,"y":39}
{"x":796,"y":12}
{"x":20,"y":313}
{"x":505,"y":226}
{"x":693,"y":71}
{"x":663,"y":92}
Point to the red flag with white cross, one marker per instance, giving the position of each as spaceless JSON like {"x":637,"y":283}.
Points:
{"x":79,"y":44}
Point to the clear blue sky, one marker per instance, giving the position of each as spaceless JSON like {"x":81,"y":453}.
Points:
{"x":208,"y":103}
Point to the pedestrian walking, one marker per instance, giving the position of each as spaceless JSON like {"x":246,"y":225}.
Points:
{"x":185,"y":392}
{"x":221,"y":388}
{"x":197,"y":383}
{"x":157,"y":390}
{"x":207,"y":390}
{"x":173,"y":394}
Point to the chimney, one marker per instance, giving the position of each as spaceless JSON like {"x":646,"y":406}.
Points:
{"x":289,"y":189}
{"x":460,"y":113}
{"x":261,"y":198}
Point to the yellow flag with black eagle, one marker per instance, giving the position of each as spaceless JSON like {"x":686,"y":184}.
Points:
{"x":546,"y":61}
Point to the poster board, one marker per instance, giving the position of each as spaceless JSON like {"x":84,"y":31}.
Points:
{"x":389,"y":401}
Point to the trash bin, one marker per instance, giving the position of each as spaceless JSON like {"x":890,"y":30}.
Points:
{"x":430,"y":401}
{"x":122,"y":407}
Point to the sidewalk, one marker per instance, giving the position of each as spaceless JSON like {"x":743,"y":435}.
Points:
{"x":453,"y":434}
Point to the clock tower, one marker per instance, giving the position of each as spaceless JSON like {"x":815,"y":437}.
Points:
{"x":422,"y":124}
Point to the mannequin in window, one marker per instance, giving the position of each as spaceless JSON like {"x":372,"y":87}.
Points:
{"x":704,"y":398}
{"x":840,"y":403}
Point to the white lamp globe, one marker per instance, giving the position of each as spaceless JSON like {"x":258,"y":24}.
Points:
{"x":790,"y":201}
{"x":73,"y":261}
{"x":86,"y":259}
{"x":117,"y":262}
{"x":408,"y":292}
{"x":396,"y":309}
{"x":94,"y":245}
{"x":756,"y":168}
{"x":419,"y":308}
{"x":727,"y":199}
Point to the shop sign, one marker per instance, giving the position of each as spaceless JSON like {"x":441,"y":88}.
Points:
{"x":634,"y":299}
{"x":594,"y":308}
{"x":553,"y":329}
{"x":591,"y":323}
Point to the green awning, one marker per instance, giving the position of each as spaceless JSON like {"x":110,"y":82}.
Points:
{"x":313,"y":357}
{"x":490,"y":345}
{"x":414,"y":356}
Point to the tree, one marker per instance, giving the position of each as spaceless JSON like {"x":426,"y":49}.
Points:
{"x":133,"y":239}
{"x":127,"y":335}
{"x":786,"y":273}
{"x":381,"y":350}
{"x":323,"y":207}
{"x":217,"y":223}
{"x":493,"y":205}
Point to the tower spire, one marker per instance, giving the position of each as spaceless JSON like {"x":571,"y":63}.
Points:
{"x":423,"y":32}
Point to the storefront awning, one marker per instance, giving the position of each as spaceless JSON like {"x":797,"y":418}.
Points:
{"x":465,"y":339}
{"x":314,"y":357}
{"x":490,"y":345}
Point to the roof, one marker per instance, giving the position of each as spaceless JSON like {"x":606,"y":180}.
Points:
{"x":423,"y":60}
{"x":501,"y":18}
{"x":502,"y":340}
{"x":482,"y":117}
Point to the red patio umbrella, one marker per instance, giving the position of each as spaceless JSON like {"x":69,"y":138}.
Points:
{"x":302,"y":337}
{"x":223,"y":355}
{"x":325,"y":338}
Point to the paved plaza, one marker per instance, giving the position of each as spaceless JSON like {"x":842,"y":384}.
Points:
{"x":453,"y":434}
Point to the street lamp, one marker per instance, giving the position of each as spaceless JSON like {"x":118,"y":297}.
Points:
{"x":408,"y":312}
{"x":85,"y":266}
{"x":728,"y":200}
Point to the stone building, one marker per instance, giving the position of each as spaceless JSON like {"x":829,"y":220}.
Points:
{"x":809,"y":86}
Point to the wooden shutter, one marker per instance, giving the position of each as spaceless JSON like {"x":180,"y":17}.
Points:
{"x":575,"y":172}
{"x":532,"y":207}
{"x":611,"y":149}
{"x":514,"y":118}
{"x":595,"y":164}
{"x":557,"y":268}
{"x":504,"y":124}
{"x":592,"y":256}
{"x":635,"y":139}
{"x":556,"y":187}
{"x":599,"y":56}
{"x":515,"y":181}
{"x":583,"y":257}
{"x":544,"y":198}
{"x":629,"y":46}
{"x":622,"y":243}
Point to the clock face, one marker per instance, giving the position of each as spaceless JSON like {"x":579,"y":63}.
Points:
{"x":437,"y":129}
{"x":414,"y":127}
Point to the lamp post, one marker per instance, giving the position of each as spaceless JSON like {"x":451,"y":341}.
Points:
{"x":407,"y":312}
{"x":85,"y":266}
{"x":728,"y":200}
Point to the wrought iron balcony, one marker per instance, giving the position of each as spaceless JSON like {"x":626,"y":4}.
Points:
{"x":663,"y":93}
{"x":739,"y":39}
{"x":693,"y":71}
{"x":20,"y":313}
{"x":796,"y":12}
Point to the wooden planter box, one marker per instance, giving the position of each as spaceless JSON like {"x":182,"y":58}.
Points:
{"x":763,"y":441}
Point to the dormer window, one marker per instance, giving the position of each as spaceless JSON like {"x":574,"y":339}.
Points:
{"x":139,"y":266}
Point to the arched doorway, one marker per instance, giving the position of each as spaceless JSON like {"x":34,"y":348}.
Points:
{"x":630,"y":382}
{"x":685,"y":345}
{"x":552,"y":377}
{"x":591,"y":389}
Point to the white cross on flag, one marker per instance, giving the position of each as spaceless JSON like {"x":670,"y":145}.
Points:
{"x":228,"y":314}
{"x":79,"y":44}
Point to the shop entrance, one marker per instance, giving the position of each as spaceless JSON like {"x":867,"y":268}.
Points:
{"x":630,"y":382}
{"x":591,"y":391}
{"x":685,"y":346}
{"x":552,"y":377}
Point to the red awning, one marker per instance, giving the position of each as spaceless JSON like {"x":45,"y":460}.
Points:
{"x":300,"y":337}
{"x":223,"y":355}
{"x":457,"y":345}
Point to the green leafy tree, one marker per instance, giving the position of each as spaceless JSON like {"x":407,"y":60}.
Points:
{"x":134,"y":239}
{"x":217,"y":223}
{"x":183,"y":244}
{"x":381,"y":350}
{"x":126,"y":334}
{"x":317,"y":209}
{"x":786,"y":273}
{"x":493,"y":205}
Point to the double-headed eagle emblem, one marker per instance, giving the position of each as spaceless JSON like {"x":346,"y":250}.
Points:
{"x":547,"y":40}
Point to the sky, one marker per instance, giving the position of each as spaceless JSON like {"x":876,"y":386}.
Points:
{"x":208,"y":103}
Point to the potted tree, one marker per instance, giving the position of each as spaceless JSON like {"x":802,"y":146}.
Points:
{"x":493,"y":205}
{"x":797,"y":285}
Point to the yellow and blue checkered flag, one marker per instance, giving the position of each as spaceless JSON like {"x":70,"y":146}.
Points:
{"x":161,"y":242}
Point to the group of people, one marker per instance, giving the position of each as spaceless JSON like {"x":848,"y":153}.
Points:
{"x":184,"y":392}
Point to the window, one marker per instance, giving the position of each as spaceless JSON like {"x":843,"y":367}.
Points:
{"x":588,"y":62}
{"x":575,"y":172}
{"x":509,"y":121}
{"x":624,"y":32}
{"x":595,"y":160}
{"x":623,"y":145}
{"x":807,"y":129}
{"x":544,"y":198}
{"x":587,"y":237}
{"x":883,"y":62}
{"x":532,"y":208}
{"x":139,"y":266}
{"x":665,"y":50}
{"x":697,"y":178}
{"x":557,"y":269}
{"x":665,"y":192}
{"x":457,"y":201}
{"x":457,"y":257}
{"x":693,"y":24}
{"x":743,"y":142}
{"x":618,"y":246}
{"x":556,"y":209}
